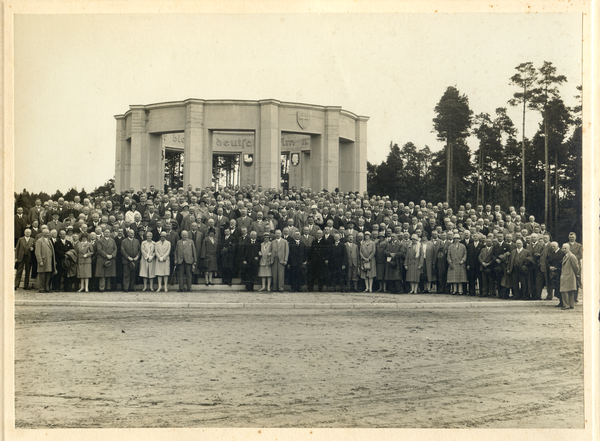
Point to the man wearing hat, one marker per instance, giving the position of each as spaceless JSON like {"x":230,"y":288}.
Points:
{"x":106,"y":248}
{"x":55,"y":223}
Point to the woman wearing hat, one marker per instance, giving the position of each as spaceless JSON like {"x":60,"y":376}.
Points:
{"x":208,"y":254}
{"x":162,"y":268}
{"x":85,"y":251}
{"x":147,"y":262}
{"x":264,"y":268}
{"x":414,"y":263}
{"x":368,"y":263}
{"x":457,"y":268}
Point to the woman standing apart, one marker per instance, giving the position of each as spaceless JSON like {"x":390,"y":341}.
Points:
{"x":84,"y":262}
{"x":457,"y":268}
{"x":264,"y":269}
{"x":162,"y":248}
{"x":414,"y":263}
{"x":147,"y":263}
{"x":568,"y":277}
{"x":368,"y":263}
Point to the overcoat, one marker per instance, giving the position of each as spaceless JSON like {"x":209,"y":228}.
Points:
{"x":430,"y":257}
{"x":163,"y":259}
{"x":412,"y":264}
{"x":104,"y":248}
{"x":84,"y":264}
{"x":457,"y":272}
{"x":209,"y":254}
{"x":568,"y":274}
{"x":367,"y":254}
{"x":45,"y":252}
{"x":394,"y":271}
{"x":147,"y":269}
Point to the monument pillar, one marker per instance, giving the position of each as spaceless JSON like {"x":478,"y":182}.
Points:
{"x":330,"y":153}
{"x":360,"y":154}
{"x":196,"y":154}
{"x":139,"y":159}
{"x":122,"y":155}
{"x":268,"y":153}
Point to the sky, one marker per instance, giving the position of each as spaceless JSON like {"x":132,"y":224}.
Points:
{"x":73,"y":73}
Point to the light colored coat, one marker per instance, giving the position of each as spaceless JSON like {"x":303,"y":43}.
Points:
{"x":568,"y":274}
{"x":45,"y":252}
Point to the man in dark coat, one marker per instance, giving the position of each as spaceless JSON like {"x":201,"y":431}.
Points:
{"x":518,"y":268}
{"x":473,"y":274}
{"x":24,"y":252}
{"x":21,"y":222}
{"x":501,"y":253}
{"x":318,"y":256}
{"x":251,"y":248}
{"x":554,"y":261}
{"x":130,"y":258}
{"x":338,"y":262}
{"x":297,"y":257}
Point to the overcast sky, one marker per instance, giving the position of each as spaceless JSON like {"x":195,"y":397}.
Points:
{"x":73,"y":73}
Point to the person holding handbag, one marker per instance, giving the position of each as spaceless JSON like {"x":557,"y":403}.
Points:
{"x":368,"y":263}
{"x":147,"y":264}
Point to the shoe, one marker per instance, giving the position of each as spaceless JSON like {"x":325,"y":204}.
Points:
{"x":564,"y":308}
{"x":558,"y":306}
{"x":206,"y":283}
{"x":571,"y":307}
{"x":210,"y":283}
{"x":262,"y":289}
{"x":166,"y":290}
{"x":144,"y":290}
{"x":180,"y":290}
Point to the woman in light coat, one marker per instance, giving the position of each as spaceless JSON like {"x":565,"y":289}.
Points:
{"x":264,"y":269}
{"x":147,"y":262}
{"x":457,"y":268}
{"x":162,"y":267}
{"x":568,"y":277}
{"x":414,"y":264}
{"x":368,"y":263}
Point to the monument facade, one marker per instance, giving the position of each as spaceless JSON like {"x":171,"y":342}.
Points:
{"x":230,"y":142}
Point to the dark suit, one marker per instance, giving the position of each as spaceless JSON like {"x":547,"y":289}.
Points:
{"x":520,"y":281}
{"x":24,"y":252}
{"x":130,"y":249}
{"x":473,"y":273}
{"x":486,"y":261}
{"x":297,"y":256}
{"x":251,"y":259}
{"x":338,"y":258}
{"x":318,"y":253}
{"x":500,"y":268}
{"x":20,"y":226}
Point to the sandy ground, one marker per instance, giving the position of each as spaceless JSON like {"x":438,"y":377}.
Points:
{"x":127,"y":367}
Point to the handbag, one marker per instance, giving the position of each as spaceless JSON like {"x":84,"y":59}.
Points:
{"x":367,"y":265}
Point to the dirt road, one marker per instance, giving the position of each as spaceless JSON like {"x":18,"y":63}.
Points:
{"x":488,"y":368}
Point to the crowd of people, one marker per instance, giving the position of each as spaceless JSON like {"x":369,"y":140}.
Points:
{"x":297,"y":238}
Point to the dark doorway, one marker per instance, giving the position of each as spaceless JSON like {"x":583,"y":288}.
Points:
{"x":285,"y":170}
{"x":173,"y":168}
{"x":226,"y":170}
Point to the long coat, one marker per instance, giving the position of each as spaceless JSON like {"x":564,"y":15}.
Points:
{"x":227,"y":252}
{"x":394,"y":272}
{"x":380,"y":258}
{"x":429,"y":262}
{"x":457,"y":272}
{"x":318,"y":253}
{"x":163,"y":260}
{"x":367,"y":254}
{"x":568,"y":275}
{"x":84,"y":264}
{"x":412,"y":264}
{"x":105,"y":247}
{"x":147,"y":269}
{"x":209,"y":254}
{"x":45,"y":252}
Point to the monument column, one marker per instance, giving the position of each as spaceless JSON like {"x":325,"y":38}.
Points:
{"x":139,"y":159}
{"x":268,"y":168}
{"x":122,"y":155}
{"x":360,"y":151}
{"x":196,"y":154}
{"x":330,"y":154}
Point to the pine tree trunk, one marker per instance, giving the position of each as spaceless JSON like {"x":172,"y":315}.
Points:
{"x":523,"y":153}
{"x":556,"y":202}
{"x":546,"y":170}
{"x":448,"y":160}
